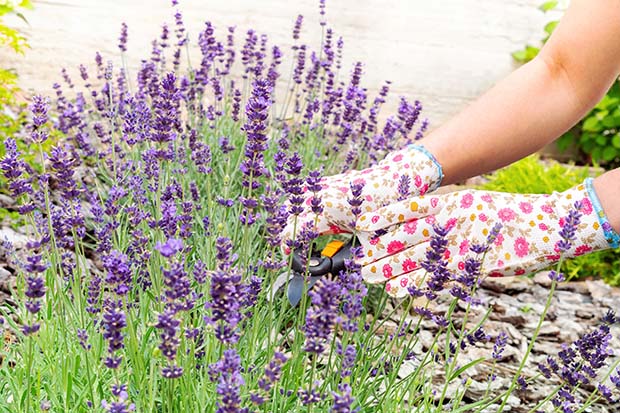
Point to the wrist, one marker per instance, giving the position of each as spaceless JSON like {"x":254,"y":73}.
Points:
{"x":606,"y":191}
{"x":437,"y":181}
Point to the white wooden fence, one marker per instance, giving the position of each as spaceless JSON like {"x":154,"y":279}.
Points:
{"x":443,"y":52}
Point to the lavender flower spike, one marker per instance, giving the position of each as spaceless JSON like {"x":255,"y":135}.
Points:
{"x":567,"y":233}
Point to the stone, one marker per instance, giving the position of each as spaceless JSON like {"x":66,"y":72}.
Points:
{"x":598,"y":290}
{"x":17,"y":240}
{"x":542,"y":278}
{"x":6,"y":201}
{"x":507,"y":285}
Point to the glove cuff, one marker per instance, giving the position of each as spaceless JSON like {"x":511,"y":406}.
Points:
{"x":610,"y":234}
{"x":437,"y":178}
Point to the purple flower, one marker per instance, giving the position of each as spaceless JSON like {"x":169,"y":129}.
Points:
{"x":257,"y":113}
{"x":39,"y":108}
{"x":322,"y":315}
{"x":177,"y":285}
{"x":493,"y":234}
{"x":63,"y":161}
{"x":294,"y":186}
{"x":34,"y":264}
{"x":169,"y":327}
{"x":200,"y":272}
{"x":273,"y":371}
{"x":356,"y":199}
{"x":522,"y":383}
{"x":166,"y":111}
{"x":94,"y":294}
{"x":300,"y":64}
{"x":606,"y":392}
{"x":500,"y":345}
{"x":404,"y":190}
{"x":172,"y":371}
{"x":310,"y":396}
{"x":579,"y":363}
{"x":353,"y":291}
{"x":82,"y":336}
{"x":171,"y":247}
{"x":609,"y":318}
{"x":544,"y":370}
{"x":471,"y":273}
{"x":227,"y":373}
{"x":28,"y":330}
{"x":35,"y":287}
{"x":314,"y":185}
{"x":226,"y":295}
{"x":556,"y":276}
{"x":122,"y":404}
{"x":297,"y":26}
{"x":122,"y":45}
{"x":322,"y":12}
{"x":348,"y":356}
{"x":114,"y":321}
{"x":616,"y":379}
{"x":343,"y":400}
{"x":13,"y":168}
{"x":567,"y":233}
{"x":118,"y":272}
{"x":434,"y":261}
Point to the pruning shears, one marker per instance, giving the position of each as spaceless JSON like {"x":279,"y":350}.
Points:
{"x":330,"y":260}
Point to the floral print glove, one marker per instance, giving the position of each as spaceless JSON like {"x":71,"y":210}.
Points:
{"x":408,"y":172}
{"x":533,"y":232}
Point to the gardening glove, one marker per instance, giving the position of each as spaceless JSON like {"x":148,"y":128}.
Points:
{"x":534,"y":231}
{"x":408,"y":172}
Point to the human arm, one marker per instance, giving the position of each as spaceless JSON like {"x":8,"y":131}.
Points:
{"x":540,"y":100}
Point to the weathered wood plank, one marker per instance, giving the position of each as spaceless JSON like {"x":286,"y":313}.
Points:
{"x":444,"y":53}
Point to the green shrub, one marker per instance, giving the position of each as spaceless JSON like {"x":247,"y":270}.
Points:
{"x":531,"y":175}
{"x":14,"y":40}
{"x":12,"y":114}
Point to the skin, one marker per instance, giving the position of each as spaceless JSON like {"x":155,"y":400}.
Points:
{"x":540,"y":101}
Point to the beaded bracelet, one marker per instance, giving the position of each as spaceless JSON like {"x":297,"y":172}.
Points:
{"x":425,"y":151}
{"x":612,"y":236}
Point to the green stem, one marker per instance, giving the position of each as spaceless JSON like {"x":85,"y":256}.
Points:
{"x":529,"y":347}
{"x":29,"y":373}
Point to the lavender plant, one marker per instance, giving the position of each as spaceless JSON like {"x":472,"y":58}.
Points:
{"x":147,"y":281}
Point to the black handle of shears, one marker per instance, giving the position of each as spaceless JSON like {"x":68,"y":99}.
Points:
{"x":320,"y":265}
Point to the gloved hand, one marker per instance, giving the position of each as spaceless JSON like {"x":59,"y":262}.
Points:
{"x":530,"y":237}
{"x":408,"y":172}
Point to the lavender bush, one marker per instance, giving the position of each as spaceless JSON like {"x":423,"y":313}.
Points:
{"x":147,"y":283}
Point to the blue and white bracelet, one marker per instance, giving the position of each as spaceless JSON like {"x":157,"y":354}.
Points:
{"x":610,"y":234}
{"x":425,"y":151}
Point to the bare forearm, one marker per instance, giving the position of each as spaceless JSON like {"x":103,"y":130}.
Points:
{"x":607,"y":187}
{"x":517,"y":117}
{"x":539,"y":101}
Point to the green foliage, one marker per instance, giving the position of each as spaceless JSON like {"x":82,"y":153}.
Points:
{"x":14,"y":40}
{"x":11,"y":120}
{"x":597,"y":136}
{"x":531,"y":175}
{"x":599,"y":132}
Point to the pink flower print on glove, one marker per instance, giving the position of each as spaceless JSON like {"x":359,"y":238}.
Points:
{"x":382,"y":186}
{"x":529,"y":239}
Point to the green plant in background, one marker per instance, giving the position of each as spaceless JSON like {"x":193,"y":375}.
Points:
{"x":11,"y":115}
{"x":14,"y":40}
{"x":532,"y":175}
{"x":597,"y":135}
